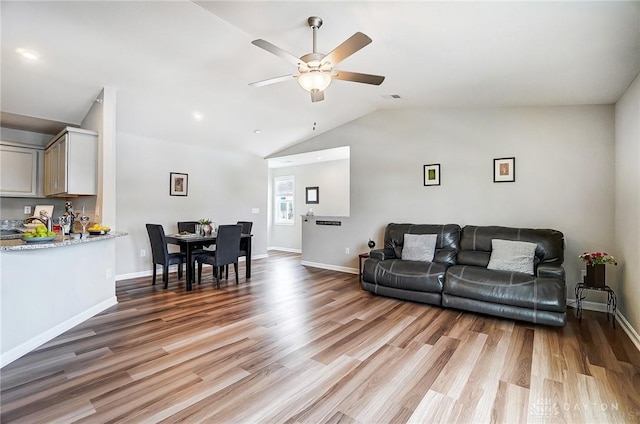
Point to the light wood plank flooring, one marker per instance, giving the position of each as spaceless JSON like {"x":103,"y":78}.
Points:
{"x":304,"y":345}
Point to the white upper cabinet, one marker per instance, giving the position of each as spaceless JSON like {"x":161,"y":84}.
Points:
{"x":71,"y":163}
{"x":19,"y":171}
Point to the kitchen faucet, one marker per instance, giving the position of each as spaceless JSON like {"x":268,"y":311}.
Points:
{"x":44,"y":221}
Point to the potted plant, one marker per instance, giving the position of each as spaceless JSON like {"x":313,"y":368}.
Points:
{"x":595,"y":262}
{"x":205,"y":224}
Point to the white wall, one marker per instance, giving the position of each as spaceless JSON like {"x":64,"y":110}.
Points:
{"x":627,"y":204}
{"x":332,"y":178}
{"x":42,"y":296}
{"x":222,"y":186}
{"x":102,"y":118}
{"x":564,"y":175}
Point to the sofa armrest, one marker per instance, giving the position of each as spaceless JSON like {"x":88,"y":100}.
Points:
{"x":550,"y":271}
{"x":382,"y":254}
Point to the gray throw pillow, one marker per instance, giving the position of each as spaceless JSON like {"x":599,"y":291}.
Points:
{"x":419,"y":247}
{"x":515,"y":256}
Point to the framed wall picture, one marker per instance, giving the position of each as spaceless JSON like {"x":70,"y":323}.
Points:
{"x":312,"y":195}
{"x":432,"y":174}
{"x":504,"y":170}
{"x":178,"y":184}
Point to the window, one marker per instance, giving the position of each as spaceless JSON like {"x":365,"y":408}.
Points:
{"x":284,"y":200}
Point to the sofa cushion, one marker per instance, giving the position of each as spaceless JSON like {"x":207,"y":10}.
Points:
{"x":407,"y":275}
{"x":536,"y":316}
{"x":447,"y":244}
{"x":419,"y":247}
{"x":507,"y":288}
{"x":474,"y":257}
{"x":475,"y":242}
{"x":414,"y":296}
{"x":508,"y":255}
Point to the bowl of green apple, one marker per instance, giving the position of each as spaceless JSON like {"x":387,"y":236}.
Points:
{"x":39,"y":235}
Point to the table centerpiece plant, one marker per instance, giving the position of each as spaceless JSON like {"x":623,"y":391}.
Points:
{"x":205,"y":225}
{"x":595,"y":262}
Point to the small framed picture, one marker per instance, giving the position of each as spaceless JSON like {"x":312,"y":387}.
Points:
{"x":312,"y":195}
{"x":432,"y":174}
{"x":178,"y":184}
{"x":504,"y":170}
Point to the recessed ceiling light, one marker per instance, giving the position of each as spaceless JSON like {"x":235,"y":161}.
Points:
{"x":257,"y":131}
{"x":197,"y":116}
{"x":29,"y":54}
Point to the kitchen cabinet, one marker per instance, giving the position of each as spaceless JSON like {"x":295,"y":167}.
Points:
{"x":71,"y":163}
{"x":20,"y":170}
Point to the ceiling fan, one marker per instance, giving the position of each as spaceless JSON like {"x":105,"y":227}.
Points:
{"x":315,"y":70}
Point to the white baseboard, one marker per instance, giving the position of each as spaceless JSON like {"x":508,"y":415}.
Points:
{"x":149,"y":272}
{"x":17,"y":352}
{"x":622,"y":320}
{"x":631,"y":332}
{"x":285,"y":249}
{"x":131,"y":275}
{"x":330,"y":267}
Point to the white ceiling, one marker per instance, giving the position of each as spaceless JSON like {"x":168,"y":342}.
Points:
{"x":317,"y":156}
{"x":169,"y":59}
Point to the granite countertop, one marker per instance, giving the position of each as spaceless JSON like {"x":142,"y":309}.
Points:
{"x":10,"y":236}
{"x":15,"y":245}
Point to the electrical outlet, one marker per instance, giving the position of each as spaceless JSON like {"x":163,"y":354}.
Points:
{"x":27,"y":210}
{"x":255,"y":210}
{"x":584,"y":272}
{"x":109,"y":272}
{"x":346,"y":251}
{"x":143,"y":253}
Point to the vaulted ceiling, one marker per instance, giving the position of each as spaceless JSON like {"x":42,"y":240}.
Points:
{"x":168,"y":60}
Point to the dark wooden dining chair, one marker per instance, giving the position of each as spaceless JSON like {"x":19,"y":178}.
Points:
{"x":226,"y":253}
{"x":246,"y":229}
{"x":160,"y":254}
{"x":188,"y":226}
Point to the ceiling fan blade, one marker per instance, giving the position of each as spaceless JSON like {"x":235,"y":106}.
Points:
{"x":317,"y":96}
{"x":357,"y":77}
{"x":273,"y":80}
{"x":272,"y":48}
{"x":346,"y":49}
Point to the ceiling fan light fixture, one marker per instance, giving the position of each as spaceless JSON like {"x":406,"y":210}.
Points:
{"x":314,"y":80}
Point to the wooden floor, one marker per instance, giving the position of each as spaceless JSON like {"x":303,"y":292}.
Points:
{"x":305,"y":345}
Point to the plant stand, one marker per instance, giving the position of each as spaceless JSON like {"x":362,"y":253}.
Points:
{"x":612,"y":301}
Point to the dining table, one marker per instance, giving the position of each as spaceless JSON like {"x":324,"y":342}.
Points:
{"x":196,"y":241}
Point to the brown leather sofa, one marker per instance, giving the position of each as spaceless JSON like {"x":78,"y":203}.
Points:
{"x":458,"y":276}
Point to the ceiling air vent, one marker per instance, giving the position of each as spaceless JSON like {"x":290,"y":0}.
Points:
{"x":391,"y":96}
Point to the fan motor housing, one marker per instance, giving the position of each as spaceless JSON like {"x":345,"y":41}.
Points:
{"x":312,"y":59}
